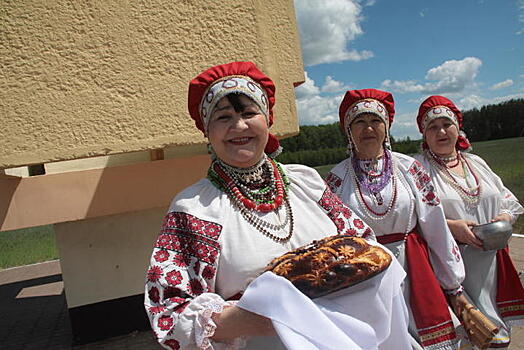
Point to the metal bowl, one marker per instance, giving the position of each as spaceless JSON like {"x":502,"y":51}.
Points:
{"x":494,"y":235}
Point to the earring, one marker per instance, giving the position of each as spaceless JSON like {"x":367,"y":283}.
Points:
{"x":211,"y":151}
{"x":387,"y":142}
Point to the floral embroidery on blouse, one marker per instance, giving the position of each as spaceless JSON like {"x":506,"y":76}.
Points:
{"x":334,"y":182}
{"x":346,"y":222}
{"x":424,"y":184}
{"x":183,"y":266}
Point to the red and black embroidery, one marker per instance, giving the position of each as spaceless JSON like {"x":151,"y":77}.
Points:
{"x":172,"y":344}
{"x":182,"y":267}
{"x":423,"y":183}
{"x":334,"y":182}
{"x":185,"y":234}
{"x":346,"y":222}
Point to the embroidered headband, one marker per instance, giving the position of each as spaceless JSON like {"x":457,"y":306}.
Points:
{"x":367,"y":105}
{"x":435,"y":107}
{"x":439,"y":112}
{"x":228,"y":85}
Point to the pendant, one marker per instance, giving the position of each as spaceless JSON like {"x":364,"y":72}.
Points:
{"x":378,"y":198}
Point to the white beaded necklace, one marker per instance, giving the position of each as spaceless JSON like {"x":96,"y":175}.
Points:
{"x":470,"y":195}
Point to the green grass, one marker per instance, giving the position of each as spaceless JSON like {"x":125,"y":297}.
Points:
{"x":506,"y":159}
{"x":27,"y":246}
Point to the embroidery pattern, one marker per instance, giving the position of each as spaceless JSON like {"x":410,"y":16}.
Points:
{"x":424,"y":184}
{"x":346,"y":222}
{"x":183,"y":266}
{"x":334,"y":182}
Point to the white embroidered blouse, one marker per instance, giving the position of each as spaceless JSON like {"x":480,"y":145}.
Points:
{"x":495,"y":198}
{"x":206,"y":253}
{"x":416,"y":204}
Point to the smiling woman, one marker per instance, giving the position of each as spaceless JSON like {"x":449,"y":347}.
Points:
{"x":395,"y":196}
{"x":238,"y":131}
{"x":472,"y":194}
{"x":220,"y":233}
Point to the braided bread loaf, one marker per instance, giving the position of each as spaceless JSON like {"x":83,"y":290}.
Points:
{"x":330,"y":264}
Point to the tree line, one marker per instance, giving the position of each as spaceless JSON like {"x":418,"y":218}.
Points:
{"x":326,"y":144}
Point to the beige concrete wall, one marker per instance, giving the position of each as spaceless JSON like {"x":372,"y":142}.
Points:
{"x":73,"y":196}
{"x":90,"y":78}
{"x":106,"y":258}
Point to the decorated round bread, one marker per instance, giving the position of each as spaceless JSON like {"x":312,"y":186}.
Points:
{"x":330,"y":264}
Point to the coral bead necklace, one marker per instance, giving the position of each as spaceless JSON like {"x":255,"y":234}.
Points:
{"x":255,"y":191}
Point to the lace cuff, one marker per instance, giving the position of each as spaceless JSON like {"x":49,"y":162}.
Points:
{"x":205,"y":326}
{"x":455,"y":291}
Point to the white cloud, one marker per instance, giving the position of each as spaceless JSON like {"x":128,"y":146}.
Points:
{"x":318,"y":110}
{"x":307,"y":88}
{"x":520,"y":10}
{"x":474,"y":101}
{"x":326,"y":27}
{"x":450,"y":77}
{"x":314,"y":109}
{"x":506,"y":98}
{"x":471,"y":101}
{"x":503,"y":84}
{"x":332,"y":85}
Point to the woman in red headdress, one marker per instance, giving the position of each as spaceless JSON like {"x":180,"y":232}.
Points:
{"x":472,"y":194}
{"x":221,"y":232}
{"x":395,"y":196}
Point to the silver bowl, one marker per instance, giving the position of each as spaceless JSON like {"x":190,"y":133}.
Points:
{"x":494,"y":235}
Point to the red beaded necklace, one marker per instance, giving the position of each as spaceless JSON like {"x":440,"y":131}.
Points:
{"x":391,"y":203}
{"x":248,"y":203}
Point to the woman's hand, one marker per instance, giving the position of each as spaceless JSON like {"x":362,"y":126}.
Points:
{"x":461,"y":230}
{"x":503,"y":216}
{"x":458,"y":303}
{"x":236,"y":322}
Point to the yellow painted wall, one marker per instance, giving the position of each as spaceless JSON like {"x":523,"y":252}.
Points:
{"x":84,"y":79}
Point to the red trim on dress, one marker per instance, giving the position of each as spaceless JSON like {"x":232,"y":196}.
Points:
{"x":510,"y":293}
{"x":428,"y":302}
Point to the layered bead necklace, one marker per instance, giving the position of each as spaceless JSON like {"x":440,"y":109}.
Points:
{"x":470,"y":195}
{"x":260,"y":188}
{"x":445,"y":161}
{"x":365,"y":176}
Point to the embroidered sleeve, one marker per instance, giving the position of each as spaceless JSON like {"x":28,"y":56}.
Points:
{"x":334,"y":182}
{"x":423,"y":183}
{"x":343,"y":217}
{"x":444,"y":253}
{"x":180,"y":280}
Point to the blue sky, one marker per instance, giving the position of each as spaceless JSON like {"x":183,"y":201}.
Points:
{"x":471,"y":51}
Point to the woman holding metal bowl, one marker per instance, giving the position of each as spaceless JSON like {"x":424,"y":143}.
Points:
{"x":472,"y":194}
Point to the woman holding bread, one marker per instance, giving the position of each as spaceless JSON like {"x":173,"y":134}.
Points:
{"x":220,"y":233}
{"x":472,"y":194}
{"x":395,"y":196}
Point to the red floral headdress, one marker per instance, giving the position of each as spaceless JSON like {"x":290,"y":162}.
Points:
{"x":357,"y":102}
{"x":246,"y":74}
{"x":441,"y":107}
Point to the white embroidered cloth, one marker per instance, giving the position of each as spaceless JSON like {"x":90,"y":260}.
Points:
{"x":370,"y":315}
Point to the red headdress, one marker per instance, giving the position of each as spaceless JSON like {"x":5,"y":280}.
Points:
{"x":441,"y":107}
{"x":351,"y":106}
{"x":238,"y":77}
{"x":357,"y":102}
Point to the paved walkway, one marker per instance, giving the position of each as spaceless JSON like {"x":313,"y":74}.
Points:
{"x":33,"y":311}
